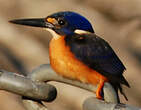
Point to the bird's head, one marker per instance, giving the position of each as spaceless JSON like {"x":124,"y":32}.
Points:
{"x":62,"y":23}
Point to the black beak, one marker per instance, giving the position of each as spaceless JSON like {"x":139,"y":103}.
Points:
{"x":39,"y":22}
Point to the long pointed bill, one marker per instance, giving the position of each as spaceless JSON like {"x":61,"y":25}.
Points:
{"x":39,"y":22}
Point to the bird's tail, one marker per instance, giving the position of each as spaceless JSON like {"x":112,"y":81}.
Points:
{"x":117,"y":86}
{"x":124,"y":81}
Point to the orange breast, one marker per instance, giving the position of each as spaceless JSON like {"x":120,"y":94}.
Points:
{"x":64,"y":63}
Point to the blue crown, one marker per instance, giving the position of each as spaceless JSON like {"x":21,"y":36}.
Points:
{"x":75,"y":21}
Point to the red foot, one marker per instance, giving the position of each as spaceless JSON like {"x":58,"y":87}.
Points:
{"x":98,"y":91}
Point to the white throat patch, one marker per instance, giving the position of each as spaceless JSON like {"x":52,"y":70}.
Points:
{"x":54,"y":34}
{"x":81,"y":31}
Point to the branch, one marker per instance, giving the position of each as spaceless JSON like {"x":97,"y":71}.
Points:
{"x":32,"y":105}
{"x":95,"y":104}
{"x":23,"y":86}
{"x":33,"y":86}
{"x":45,"y":73}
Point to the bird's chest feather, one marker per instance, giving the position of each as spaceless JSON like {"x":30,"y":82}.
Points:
{"x":66,"y":64}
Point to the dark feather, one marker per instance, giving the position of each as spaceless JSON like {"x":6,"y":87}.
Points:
{"x":97,"y":54}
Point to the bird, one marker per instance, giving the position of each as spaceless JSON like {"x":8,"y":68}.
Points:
{"x":76,"y":52}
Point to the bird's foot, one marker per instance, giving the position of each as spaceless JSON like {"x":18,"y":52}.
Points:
{"x":99,"y":90}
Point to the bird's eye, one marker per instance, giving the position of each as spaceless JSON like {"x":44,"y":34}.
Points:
{"x":61,"y":22}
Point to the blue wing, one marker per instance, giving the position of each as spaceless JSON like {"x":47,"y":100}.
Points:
{"x":96,"y":53}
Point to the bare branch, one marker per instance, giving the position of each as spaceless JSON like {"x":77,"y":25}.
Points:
{"x":31,"y":105}
{"x":23,"y":86}
{"x":33,"y":86}
{"x":45,"y":73}
{"x":95,"y":104}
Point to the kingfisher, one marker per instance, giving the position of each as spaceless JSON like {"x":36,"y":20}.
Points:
{"x":77,"y":53}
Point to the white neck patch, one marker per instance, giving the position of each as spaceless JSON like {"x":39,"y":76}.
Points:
{"x":81,"y":31}
{"x":57,"y":36}
{"x":54,"y":34}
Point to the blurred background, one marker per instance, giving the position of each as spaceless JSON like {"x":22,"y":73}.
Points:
{"x":24,"y":48}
